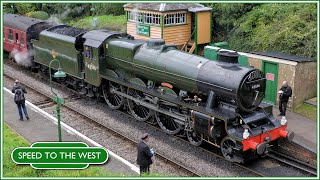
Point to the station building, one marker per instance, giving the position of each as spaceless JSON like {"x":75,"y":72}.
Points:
{"x":186,"y":25}
{"x":299,"y":72}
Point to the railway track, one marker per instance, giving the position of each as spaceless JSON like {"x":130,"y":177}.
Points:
{"x":304,"y":166}
{"x":47,"y":103}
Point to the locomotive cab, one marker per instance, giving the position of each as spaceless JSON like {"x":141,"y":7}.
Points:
{"x":95,"y":49}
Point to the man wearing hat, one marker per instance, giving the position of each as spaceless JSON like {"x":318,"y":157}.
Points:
{"x":145,"y":156}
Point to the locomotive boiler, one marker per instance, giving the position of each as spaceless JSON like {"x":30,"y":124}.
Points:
{"x":218,"y":102}
{"x":240,"y":86}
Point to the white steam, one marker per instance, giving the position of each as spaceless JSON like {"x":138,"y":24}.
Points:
{"x":22,"y":57}
{"x":57,"y":17}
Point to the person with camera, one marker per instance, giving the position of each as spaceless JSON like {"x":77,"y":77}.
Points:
{"x":19,"y":99}
{"x":284,"y":93}
{"x":145,"y":155}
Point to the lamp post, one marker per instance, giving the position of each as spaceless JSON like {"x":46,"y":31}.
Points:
{"x":55,"y":98}
{"x":92,"y":10}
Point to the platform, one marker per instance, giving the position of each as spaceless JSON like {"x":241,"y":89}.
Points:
{"x":305,"y":129}
{"x":43,"y":128}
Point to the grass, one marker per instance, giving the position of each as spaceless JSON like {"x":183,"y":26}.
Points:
{"x":113,"y":23}
{"x":307,"y":110}
{"x":12,"y":140}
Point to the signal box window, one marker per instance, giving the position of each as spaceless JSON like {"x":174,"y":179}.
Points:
{"x":147,"y":18}
{"x":177,"y":18}
{"x":156,"y":19}
{"x":10,"y":34}
{"x":135,"y":17}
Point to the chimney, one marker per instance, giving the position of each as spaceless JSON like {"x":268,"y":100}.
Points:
{"x":228,"y":57}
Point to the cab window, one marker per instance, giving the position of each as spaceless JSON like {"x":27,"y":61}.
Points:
{"x":90,"y":52}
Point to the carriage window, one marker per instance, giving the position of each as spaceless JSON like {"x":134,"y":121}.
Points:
{"x":10,"y":36}
{"x":17,"y":38}
{"x":21,"y":39}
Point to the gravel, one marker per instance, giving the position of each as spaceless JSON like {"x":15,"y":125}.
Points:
{"x":111,"y":141}
{"x":31,"y":95}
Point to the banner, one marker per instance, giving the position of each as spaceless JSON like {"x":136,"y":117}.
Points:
{"x":59,"y":155}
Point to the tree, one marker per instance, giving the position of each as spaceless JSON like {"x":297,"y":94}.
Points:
{"x":108,"y":9}
{"x":225,"y":15}
{"x":286,"y":28}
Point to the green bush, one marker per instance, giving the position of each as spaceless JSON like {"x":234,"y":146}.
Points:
{"x":24,"y":8}
{"x":108,"y":9}
{"x":49,"y":8}
{"x":113,"y":23}
{"x":8,"y":10}
{"x":39,"y":15}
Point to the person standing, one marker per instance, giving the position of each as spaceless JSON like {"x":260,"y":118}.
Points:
{"x":284,"y":94}
{"x":19,"y":99}
{"x":145,"y":155}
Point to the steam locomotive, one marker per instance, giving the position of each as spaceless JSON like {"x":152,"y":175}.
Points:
{"x":218,"y":102}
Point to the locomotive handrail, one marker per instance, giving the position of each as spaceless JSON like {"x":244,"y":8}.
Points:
{"x":245,"y":122}
{"x":257,"y":80}
{"x":264,"y":111}
{"x":267,"y":114}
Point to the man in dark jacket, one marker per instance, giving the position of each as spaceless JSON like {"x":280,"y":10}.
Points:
{"x":19,"y":99}
{"x":145,"y":156}
{"x":284,"y":94}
